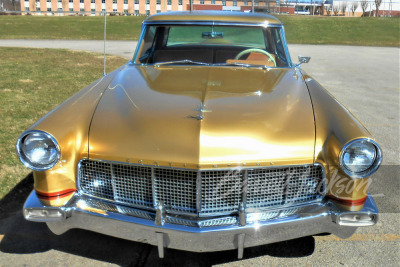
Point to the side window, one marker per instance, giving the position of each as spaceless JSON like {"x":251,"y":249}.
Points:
{"x":147,"y":45}
{"x":280,"y":49}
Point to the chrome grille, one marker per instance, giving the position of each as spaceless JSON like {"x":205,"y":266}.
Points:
{"x":220,"y":191}
{"x":203,"y":193}
{"x":265,"y":187}
{"x":132,"y":185}
{"x":302,"y":183}
{"x":176,"y":188}
{"x":95,"y":179}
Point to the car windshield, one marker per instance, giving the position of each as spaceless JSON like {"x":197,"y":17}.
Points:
{"x":245,"y":46}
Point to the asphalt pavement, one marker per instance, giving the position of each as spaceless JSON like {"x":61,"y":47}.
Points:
{"x":365,"y":79}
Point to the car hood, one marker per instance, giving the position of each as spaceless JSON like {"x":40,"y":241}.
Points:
{"x":204,"y":117}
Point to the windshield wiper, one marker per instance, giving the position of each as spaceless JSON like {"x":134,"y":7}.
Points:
{"x":241,"y":65}
{"x":185,"y":61}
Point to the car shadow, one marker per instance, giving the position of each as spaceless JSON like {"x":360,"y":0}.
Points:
{"x":24,"y":237}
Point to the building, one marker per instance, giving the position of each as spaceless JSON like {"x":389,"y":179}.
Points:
{"x":149,"y":7}
{"x":129,"y":7}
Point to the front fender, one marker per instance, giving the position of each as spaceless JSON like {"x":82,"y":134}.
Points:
{"x":69,"y":124}
{"x":335,"y":126}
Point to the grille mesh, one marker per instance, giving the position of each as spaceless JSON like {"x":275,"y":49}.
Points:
{"x":132,"y":185}
{"x":95,"y":179}
{"x":176,"y":188}
{"x":265,"y":187}
{"x":220,"y":191}
{"x":302,"y":184}
{"x":216,"y":192}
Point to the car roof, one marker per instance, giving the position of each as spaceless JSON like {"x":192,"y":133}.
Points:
{"x":216,"y":16}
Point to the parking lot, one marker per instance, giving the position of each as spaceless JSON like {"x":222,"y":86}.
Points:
{"x":365,"y":79}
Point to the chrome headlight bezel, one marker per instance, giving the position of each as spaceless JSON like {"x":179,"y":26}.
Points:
{"x":371,"y":169}
{"x":24,"y":159}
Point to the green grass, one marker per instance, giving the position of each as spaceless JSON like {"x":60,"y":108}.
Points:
{"x":70,"y":27}
{"x":343,"y":31}
{"x":299,"y":29}
{"x":33,"y":82}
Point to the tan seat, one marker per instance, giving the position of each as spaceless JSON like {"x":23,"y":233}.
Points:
{"x":255,"y":58}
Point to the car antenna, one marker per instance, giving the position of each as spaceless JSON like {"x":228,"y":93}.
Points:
{"x":105,"y":31}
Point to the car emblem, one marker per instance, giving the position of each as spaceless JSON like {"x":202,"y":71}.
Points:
{"x":200,"y":115}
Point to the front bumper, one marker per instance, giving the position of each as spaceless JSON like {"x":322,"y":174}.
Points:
{"x":313,"y":219}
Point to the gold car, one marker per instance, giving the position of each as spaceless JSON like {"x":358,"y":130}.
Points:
{"x":209,"y":139}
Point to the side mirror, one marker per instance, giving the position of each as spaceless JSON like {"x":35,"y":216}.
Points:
{"x":304,"y":59}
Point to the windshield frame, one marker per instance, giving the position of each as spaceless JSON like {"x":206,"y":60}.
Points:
{"x":209,"y":23}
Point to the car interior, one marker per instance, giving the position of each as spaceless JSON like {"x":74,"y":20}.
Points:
{"x":210,"y":51}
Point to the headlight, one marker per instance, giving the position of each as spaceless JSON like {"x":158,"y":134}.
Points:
{"x":38,"y":150}
{"x":360,"y":158}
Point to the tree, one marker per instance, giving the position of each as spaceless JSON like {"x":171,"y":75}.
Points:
{"x":328,"y":9}
{"x":364,"y":5}
{"x":354,"y":6}
{"x":377,"y":4}
{"x":335,"y":9}
{"x":343,"y":8}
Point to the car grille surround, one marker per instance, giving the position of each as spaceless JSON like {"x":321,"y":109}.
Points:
{"x":201,"y":193}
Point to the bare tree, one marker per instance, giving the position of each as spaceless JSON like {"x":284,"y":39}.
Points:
{"x":364,"y":5}
{"x":377,"y":4}
{"x":335,"y":9}
{"x":342,"y":8}
{"x":354,"y":6}
{"x":328,"y":9}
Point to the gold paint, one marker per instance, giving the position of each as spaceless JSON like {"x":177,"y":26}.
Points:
{"x":69,"y":124}
{"x":275,"y":125}
{"x":335,"y":126}
{"x":261,"y":117}
{"x":58,"y":202}
{"x":215,"y":16}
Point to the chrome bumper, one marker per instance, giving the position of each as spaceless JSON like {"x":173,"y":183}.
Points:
{"x":314,"y":219}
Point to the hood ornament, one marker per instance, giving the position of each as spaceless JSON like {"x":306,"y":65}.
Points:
{"x":200,"y":113}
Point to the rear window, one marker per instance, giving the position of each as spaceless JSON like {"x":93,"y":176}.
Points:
{"x":181,"y":35}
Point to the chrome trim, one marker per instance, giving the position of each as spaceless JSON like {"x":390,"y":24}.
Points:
{"x":211,"y":23}
{"x":160,"y":213}
{"x":160,"y":244}
{"x":198,"y":192}
{"x":139,"y":43}
{"x":312,"y":219}
{"x":369,"y":210}
{"x":240,"y":238}
{"x":153,"y":187}
{"x":25,"y":161}
{"x":303,"y":59}
{"x":372,"y":169}
{"x":238,"y":168}
{"x":283,"y":37}
{"x":242,"y":214}
{"x":320,"y":190}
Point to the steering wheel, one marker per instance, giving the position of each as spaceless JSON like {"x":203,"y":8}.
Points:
{"x":247,"y":51}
